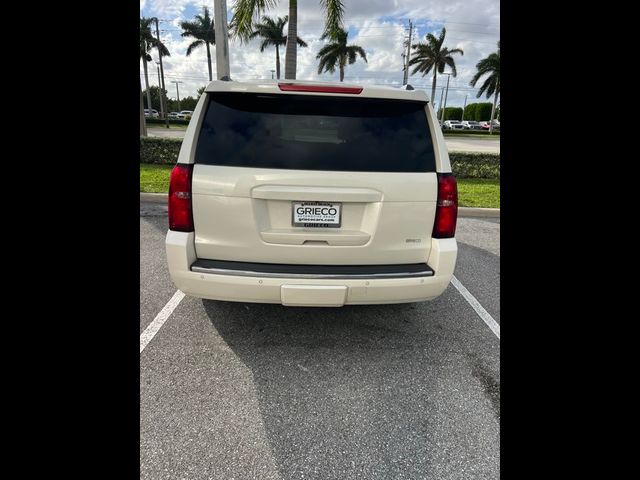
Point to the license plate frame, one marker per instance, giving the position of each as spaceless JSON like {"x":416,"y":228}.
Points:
{"x":296,"y":218}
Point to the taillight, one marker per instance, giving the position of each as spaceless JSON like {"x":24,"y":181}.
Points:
{"x":301,"y":87}
{"x":180,"y":213}
{"x":447,"y":207}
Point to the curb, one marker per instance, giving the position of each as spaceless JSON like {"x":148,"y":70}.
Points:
{"x":462,"y":211}
{"x":154,"y":197}
{"x":478,"y":212}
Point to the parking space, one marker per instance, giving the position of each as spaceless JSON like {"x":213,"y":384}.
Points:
{"x":232,"y":390}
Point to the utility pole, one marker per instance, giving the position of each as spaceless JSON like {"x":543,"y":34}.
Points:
{"x":177,"y":92}
{"x":440,"y":102}
{"x":162,"y":89}
{"x":446,"y":94}
{"x":408,"y":56}
{"x":222,"y":39}
{"x":465,"y":105}
{"x":272,"y":72}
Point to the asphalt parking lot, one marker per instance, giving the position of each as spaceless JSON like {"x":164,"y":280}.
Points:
{"x":251,"y":391}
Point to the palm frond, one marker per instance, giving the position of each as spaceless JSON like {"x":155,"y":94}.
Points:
{"x":351,"y":56}
{"x":194,"y":45}
{"x":246,"y":12}
{"x":189,"y":29}
{"x":359,"y":50}
{"x":265,"y":43}
{"x":443,"y":33}
{"x":324,"y":51}
{"x":452,"y":65}
{"x":455,"y":50}
{"x":334,"y":12}
{"x":488,"y":66}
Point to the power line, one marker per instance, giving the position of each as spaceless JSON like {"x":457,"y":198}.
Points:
{"x":475,"y":33}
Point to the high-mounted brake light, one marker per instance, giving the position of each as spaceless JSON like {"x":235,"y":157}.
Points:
{"x":300,"y":87}
{"x":180,"y":211}
{"x":447,"y":207}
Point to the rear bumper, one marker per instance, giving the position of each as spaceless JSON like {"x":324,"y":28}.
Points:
{"x":297,"y":291}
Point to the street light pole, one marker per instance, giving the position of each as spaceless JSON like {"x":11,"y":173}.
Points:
{"x":405,"y":79}
{"x":465,"y":105}
{"x":177,"y":92}
{"x":222,"y":39}
{"x":143,"y":126}
{"x":446,"y":93}
{"x":162,"y":89}
{"x":440,"y":103}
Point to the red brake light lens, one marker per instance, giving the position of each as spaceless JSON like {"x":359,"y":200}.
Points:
{"x":180,"y":212}
{"x":299,"y":87}
{"x":447,"y":207}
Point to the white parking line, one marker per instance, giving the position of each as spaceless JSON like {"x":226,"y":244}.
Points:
{"x":475,"y":304}
{"x":157,"y":323}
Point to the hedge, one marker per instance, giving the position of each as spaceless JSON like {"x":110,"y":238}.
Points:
{"x":159,"y":150}
{"x":475,"y":165}
{"x":448,"y":133}
{"x":160,"y":121}
{"x":464,"y":164}
{"x":480,"y":112}
{"x":453,"y":113}
{"x":470,"y":111}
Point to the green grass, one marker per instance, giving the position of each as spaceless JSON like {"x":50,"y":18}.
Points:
{"x":154,"y":178}
{"x":472,"y":192}
{"x":479,"y":192}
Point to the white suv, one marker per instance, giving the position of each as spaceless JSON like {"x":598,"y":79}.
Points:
{"x":453,"y":125}
{"x":312,"y":194}
{"x":184,"y":114}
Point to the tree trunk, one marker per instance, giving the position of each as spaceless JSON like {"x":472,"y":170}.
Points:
{"x":341,"y":73}
{"x":146,"y":81}
{"x":143,"y":126}
{"x":209,"y":60}
{"x":290,"y":60}
{"x":278,"y":62}
{"x":493,"y":111}
{"x":433,"y":84}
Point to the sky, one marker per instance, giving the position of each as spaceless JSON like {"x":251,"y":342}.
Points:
{"x":378,"y":26}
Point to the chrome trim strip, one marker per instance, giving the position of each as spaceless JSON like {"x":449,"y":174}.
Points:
{"x":323,"y":276}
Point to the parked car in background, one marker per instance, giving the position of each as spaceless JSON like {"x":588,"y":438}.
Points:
{"x":152,"y":114}
{"x":486,"y":125}
{"x":470,"y":125}
{"x":185,"y":114}
{"x":173,"y":115}
{"x":453,"y":125}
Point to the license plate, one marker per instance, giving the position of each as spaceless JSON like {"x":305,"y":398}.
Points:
{"x":316,"y":214}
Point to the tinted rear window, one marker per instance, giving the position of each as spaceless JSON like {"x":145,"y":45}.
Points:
{"x":315,"y":133}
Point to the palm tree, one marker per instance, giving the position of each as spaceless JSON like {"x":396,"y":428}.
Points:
{"x":489,"y":66}
{"x":147,"y":43}
{"x":272,"y":33}
{"x":338,"y":53}
{"x":245,"y":11}
{"x":433,"y":55}
{"x":202,"y":30}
